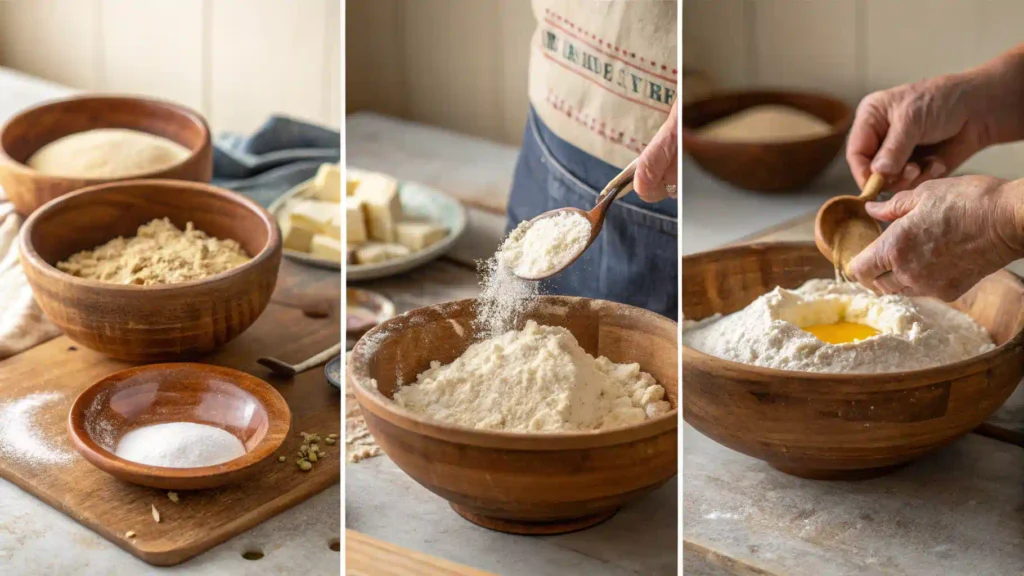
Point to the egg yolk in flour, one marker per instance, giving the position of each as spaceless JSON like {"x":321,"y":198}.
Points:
{"x":841,"y":332}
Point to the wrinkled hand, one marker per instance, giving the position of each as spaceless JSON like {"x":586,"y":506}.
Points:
{"x":946,"y":235}
{"x":657,"y":172}
{"x":939,"y":116}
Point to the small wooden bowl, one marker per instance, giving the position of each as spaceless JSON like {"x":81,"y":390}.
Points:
{"x":247,"y":407}
{"x":31,"y":129}
{"x":150,"y":323}
{"x":522,"y":483}
{"x":767,"y":167}
{"x":838,"y":426}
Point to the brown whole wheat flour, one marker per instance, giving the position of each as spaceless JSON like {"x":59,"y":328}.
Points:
{"x":160,"y":253}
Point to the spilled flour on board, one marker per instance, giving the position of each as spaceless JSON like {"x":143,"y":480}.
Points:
{"x":21,"y":435}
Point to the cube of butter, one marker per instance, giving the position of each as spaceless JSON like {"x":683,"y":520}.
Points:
{"x":326,"y":247}
{"x":313,"y":215}
{"x":418,"y":235}
{"x":295,"y":237}
{"x":351,"y":185}
{"x":377,"y":252}
{"x":381,"y":205}
{"x":327,"y":185}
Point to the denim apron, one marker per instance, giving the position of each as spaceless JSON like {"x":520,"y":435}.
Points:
{"x":635,"y":258}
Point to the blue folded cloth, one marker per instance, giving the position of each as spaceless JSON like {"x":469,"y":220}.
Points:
{"x":280,"y":155}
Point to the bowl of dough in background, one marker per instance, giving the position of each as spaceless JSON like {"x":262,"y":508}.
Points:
{"x":150,"y":322}
{"x":543,"y":483}
{"x":838,"y":426}
{"x":32,"y":130}
{"x":767,"y":141}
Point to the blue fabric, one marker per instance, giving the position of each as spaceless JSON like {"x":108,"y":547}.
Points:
{"x":635,"y":259}
{"x":282,"y":154}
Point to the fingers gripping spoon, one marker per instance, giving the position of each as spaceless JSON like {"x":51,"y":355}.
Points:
{"x":843,"y":227}
{"x":618,"y":187}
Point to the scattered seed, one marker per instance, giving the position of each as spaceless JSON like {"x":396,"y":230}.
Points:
{"x":331,"y":436}
{"x":173,"y":496}
{"x":304,"y":448}
{"x":281,"y":459}
{"x":330,"y":440}
{"x":156,"y":514}
{"x":129,"y":534}
{"x":312,"y":456}
{"x":305,"y":466}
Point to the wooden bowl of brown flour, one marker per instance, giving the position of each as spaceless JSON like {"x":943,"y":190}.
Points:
{"x":156,"y":303}
{"x":525,"y":482}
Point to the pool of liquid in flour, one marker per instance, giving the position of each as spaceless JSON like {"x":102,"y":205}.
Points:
{"x":841,"y":332}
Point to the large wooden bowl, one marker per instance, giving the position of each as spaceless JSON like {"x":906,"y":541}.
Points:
{"x":150,"y":323}
{"x":247,"y":407}
{"x":513,"y":482}
{"x":838,"y":425}
{"x":765,"y":167}
{"x":30,"y":130}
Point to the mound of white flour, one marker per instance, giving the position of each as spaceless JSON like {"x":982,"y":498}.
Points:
{"x":537,"y":379}
{"x":546,"y":245}
{"x":915,"y":333}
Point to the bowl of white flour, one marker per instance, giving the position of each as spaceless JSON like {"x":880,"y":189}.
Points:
{"x":825,"y":379}
{"x":547,"y":427}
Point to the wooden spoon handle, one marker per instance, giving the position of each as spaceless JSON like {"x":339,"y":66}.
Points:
{"x":621,"y":184}
{"x":318,"y":359}
{"x":873,"y":187}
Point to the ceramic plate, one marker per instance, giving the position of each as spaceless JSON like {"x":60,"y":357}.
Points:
{"x":279,"y":209}
{"x":333,"y":372}
{"x":422,"y":203}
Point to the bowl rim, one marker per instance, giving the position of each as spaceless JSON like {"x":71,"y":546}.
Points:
{"x":837,"y":128}
{"x":869,"y":381}
{"x":382,"y":407}
{"x":277,"y":428}
{"x":179,"y":109}
{"x":29,"y":253}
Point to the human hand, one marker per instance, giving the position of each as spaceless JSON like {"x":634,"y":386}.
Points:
{"x":946,"y":235}
{"x":657,"y":171}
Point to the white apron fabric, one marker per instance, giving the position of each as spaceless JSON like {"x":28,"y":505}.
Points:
{"x":22,"y":323}
{"x":604,"y":73}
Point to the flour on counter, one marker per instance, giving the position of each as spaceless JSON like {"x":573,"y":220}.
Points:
{"x":537,"y":379}
{"x":915,"y":333}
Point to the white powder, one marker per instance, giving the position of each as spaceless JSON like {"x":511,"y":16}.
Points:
{"x":541,"y":247}
{"x":180,"y":445}
{"x":915,"y":333}
{"x":503,"y":299}
{"x":20,"y":434}
{"x":538,"y":379}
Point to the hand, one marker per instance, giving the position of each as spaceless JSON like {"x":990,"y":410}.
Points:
{"x":657,"y":172}
{"x":946,"y":235}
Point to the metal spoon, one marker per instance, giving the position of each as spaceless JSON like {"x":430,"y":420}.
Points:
{"x":843,"y":227}
{"x":618,"y":187}
{"x":285,"y":369}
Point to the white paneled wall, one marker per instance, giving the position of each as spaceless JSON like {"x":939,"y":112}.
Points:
{"x":851,"y":47}
{"x":236,"y":61}
{"x":459,"y":64}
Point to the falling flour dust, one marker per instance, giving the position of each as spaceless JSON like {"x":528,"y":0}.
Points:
{"x":21,"y":437}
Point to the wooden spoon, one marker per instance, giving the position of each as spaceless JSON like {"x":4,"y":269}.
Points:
{"x":285,"y":369}
{"x":843,"y":227}
{"x":618,"y":187}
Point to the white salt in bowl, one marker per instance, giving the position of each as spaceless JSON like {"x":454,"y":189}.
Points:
{"x":838,"y":426}
{"x":241,"y":404}
{"x":516,"y":482}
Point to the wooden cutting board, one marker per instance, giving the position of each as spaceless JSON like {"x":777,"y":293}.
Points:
{"x":366,"y":556}
{"x":201,"y":519}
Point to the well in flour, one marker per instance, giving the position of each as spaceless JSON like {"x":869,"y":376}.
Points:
{"x":537,"y":379}
{"x":912,"y":333}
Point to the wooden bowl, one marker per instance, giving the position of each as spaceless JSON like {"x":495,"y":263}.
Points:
{"x":31,"y":129}
{"x":150,"y":323}
{"x":767,"y":167}
{"x":514,"y":482}
{"x":838,"y":426}
{"x":247,"y":407}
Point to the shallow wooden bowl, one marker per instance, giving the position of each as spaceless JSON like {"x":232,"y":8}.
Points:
{"x":768,"y":167}
{"x":522,"y":483}
{"x":247,"y":407}
{"x":150,"y":323}
{"x":838,"y":425}
{"x":31,"y":129}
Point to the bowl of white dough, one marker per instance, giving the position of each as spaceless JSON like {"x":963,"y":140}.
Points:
{"x":545,"y":428}
{"x":60,"y":146}
{"x":826,"y":380}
